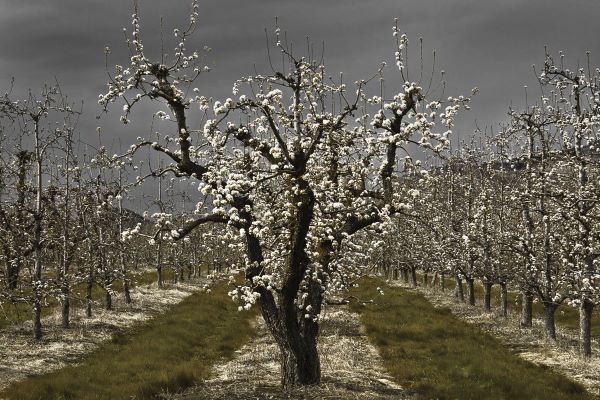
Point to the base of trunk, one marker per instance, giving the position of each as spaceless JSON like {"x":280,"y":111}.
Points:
{"x":108,"y":301}
{"x":503,"y":300}
{"x":413,"y":276}
{"x":585,"y":327}
{"x":471,"y":291}
{"x":526,"y":310}
{"x":549,"y":322}
{"x":487,"y":298}
{"x":37,"y":319}
{"x":293,"y":373}
{"x":66,"y":307}
{"x":458,"y":290}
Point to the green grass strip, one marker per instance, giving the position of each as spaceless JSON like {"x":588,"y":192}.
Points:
{"x":17,"y":313}
{"x":171,"y":352}
{"x":434,"y":354}
{"x":566,"y":316}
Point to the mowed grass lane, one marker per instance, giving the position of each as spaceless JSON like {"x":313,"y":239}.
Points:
{"x":432,"y":353}
{"x":169,"y":353}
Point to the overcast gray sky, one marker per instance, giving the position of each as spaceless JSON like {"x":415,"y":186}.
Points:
{"x":486,"y":43}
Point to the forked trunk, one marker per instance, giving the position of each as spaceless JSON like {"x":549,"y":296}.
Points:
{"x":299,"y":358}
{"x":300,"y":369}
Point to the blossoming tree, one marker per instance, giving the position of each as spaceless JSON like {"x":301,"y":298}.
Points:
{"x":294,"y":167}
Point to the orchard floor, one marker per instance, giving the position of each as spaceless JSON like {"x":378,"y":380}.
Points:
{"x":351,"y":367}
{"x":22,"y":356}
{"x":395,"y":346}
{"x":399,"y":345}
{"x":165,"y":341}
{"x":530,"y":344}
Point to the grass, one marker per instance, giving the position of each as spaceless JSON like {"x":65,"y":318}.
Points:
{"x":169,"y":353}
{"x":566,"y":316}
{"x":17,"y":313}
{"x":437,"y":356}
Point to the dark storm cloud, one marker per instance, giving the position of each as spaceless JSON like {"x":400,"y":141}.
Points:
{"x":489,"y":44}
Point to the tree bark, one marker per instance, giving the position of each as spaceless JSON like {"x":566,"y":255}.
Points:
{"x":14,"y":265}
{"x":108,"y":300}
{"x":458,"y":289}
{"x":526,"y":309}
{"x":66,"y":307}
{"x":12,"y":274}
{"x":471,"y":290}
{"x":127,"y":291}
{"x":487,"y":297}
{"x":64,"y":268}
{"x":413,"y":276}
{"x":159,"y":276}
{"x":300,"y":344}
{"x":585,"y":327}
{"x":37,"y":277}
{"x":295,"y":335}
{"x":549,"y":322}
{"x":503,"y":299}
{"x":434,"y":279}
{"x":37,"y":318}
{"x":88,"y":293}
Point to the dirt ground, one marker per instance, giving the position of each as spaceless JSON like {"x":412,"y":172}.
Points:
{"x":351,"y":367}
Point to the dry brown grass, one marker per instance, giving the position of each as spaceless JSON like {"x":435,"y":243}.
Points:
{"x":351,"y":367}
